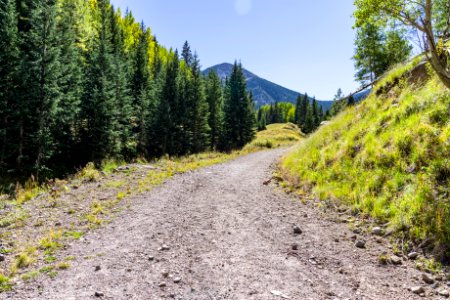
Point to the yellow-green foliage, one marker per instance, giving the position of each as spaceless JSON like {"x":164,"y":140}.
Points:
{"x":388,"y":157}
{"x":5,"y":285}
{"x":276,"y":135}
{"x":27,"y":192}
{"x":89,"y":173}
{"x":51,"y":241}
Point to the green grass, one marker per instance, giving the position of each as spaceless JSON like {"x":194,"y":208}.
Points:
{"x":276,"y":136}
{"x":387,"y":157}
{"x":89,"y":173}
{"x":5,"y":284}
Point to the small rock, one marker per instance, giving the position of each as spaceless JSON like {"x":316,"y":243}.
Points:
{"x":438,"y":277}
{"x":435,"y":285}
{"x":377,"y":231}
{"x":395,"y":260}
{"x":448,"y":284}
{"x":444,"y":293}
{"x":294,"y":246}
{"x":177,"y":280}
{"x":413,"y":255}
{"x":97,"y":268}
{"x":357,"y":231}
{"x":427,"y":278}
{"x":2,"y":257}
{"x":172,"y":296}
{"x":360,"y":244}
{"x":297,"y":230}
{"x":162,"y":284}
{"x":165,"y":274}
{"x":151,"y":258}
{"x":417,"y":290}
{"x":99,"y":294}
{"x":164,"y":248}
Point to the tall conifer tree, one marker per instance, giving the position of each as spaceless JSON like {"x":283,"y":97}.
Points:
{"x":41,"y":84}
{"x":214,"y":96}
{"x":9,"y":81}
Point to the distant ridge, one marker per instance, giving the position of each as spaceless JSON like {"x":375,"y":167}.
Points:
{"x":264,"y":92}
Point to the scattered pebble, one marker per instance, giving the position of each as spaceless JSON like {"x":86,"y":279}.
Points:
{"x":357,"y":231}
{"x":2,"y":257}
{"x":438,"y":277}
{"x":427,"y":278}
{"x":162,"y":284}
{"x":164,"y":248}
{"x":377,"y":231}
{"x":417,"y":290}
{"x":297,"y":230}
{"x":294,"y":246}
{"x":360,"y":244}
{"x":165,"y":274}
{"x":151,"y":258}
{"x":97,"y":268}
{"x":99,"y":294}
{"x":413,"y":255}
{"x":395,"y":260}
{"x":177,"y":280}
{"x":444,"y":293}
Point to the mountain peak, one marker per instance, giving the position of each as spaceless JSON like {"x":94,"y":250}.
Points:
{"x":264,"y":91}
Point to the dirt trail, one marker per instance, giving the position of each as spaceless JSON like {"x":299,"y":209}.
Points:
{"x":230,"y":237}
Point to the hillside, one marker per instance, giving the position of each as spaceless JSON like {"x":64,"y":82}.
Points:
{"x":264,"y":91}
{"x":387,"y":157}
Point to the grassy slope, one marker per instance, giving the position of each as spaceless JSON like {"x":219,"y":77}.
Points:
{"x":388,"y":157}
{"x":276,"y":136}
{"x":41,"y":220}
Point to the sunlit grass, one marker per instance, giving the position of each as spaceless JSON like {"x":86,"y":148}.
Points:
{"x":388,"y":157}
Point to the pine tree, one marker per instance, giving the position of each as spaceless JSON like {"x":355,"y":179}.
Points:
{"x":214,"y":96}
{"x":139,"y":88}
{"x":316,"y":113}
{"x":198,"y":109}
{"x":41,"y":84}
{"x":70,"y":82}
{"x":309,"y":124}
{"x":186,"y":54}
{"x":164,"y":123}
{"x":99,"y":106}
{"x":297,"y":109}
{"x":9,"y":81}
{"x":239,"y":121}
{"x":123,"y":142}
{"x":303,"y":109}
{"x":156,"y":85}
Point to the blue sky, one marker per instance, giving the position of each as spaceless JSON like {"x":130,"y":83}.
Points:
{"x":303,"y":45}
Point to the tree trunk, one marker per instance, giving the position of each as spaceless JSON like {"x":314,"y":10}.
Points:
{"x":3,"y":150}
{"x":439,"y":63}
{"x":20,"y":148}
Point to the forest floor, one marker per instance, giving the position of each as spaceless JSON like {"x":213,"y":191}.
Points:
{"x":226,"y":232}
